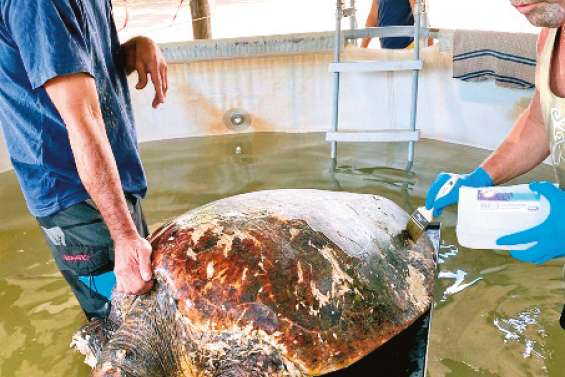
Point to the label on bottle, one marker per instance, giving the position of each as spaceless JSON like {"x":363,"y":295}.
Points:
{"x":494,"y":200}
{"x":488,"y":213}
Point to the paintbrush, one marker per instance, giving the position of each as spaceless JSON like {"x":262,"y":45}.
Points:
{"x":422,"y":217}
{"x":419,"y":222}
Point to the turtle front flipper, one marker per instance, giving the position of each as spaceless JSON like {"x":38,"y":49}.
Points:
{"x":90,"y":339}
{"x":142,"y":346}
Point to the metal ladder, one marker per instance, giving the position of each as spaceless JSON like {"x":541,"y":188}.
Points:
{"x":410,"y":135}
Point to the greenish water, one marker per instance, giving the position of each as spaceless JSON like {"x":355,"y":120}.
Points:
{"x":505,"y":324}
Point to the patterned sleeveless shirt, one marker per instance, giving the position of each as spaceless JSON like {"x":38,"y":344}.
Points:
{"x":553,"y":108}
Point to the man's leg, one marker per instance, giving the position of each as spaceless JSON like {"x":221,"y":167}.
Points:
{"x":84,"y":253}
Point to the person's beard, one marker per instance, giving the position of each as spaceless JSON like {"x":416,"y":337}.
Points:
{"x":544,"y":14}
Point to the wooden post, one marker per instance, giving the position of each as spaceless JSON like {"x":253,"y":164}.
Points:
{"x":201,"y":23}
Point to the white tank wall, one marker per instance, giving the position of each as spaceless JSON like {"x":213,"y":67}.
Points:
{"x":292,"y":93}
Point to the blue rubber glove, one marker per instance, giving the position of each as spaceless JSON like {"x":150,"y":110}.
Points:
{"x":445,"y":190}
{"x":549,"y":236}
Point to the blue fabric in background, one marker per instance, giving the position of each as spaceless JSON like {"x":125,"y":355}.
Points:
{"x":40,"y":40}
{"x":395,"y":13}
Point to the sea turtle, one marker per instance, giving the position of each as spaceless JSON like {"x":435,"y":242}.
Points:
{"x":271,"y":283}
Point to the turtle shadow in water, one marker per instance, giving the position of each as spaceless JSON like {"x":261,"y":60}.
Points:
{"x":402,"y":356}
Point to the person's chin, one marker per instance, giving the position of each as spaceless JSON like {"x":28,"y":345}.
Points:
{"x":543,"y":16}
{"x":546,"y":23}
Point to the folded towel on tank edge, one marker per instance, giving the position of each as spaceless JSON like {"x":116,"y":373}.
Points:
{"x":508,"y":58}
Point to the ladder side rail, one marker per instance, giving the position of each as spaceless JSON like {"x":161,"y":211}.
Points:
{"x":415,"y":80}
{"x":353,"y":16}
{"x":336,"y":83}
{"x":352,"y":21}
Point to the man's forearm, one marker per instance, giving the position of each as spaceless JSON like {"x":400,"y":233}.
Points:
{"x":92,"y":152}
{"x":372,"y":21}
{"x":523,"y":149}
{"x":373,"y":17}
{"x":99,"y":175}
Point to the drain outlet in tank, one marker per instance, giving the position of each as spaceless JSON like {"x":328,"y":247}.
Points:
{"x":237,"y":119}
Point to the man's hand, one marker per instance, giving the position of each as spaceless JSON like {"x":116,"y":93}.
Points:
{"x":548,"y":236}
{"x":143,"y":55}
{"x":132,"y":265}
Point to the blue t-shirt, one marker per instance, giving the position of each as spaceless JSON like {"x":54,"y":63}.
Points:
{"x":40,"y":40}
{"x":395,"y":13}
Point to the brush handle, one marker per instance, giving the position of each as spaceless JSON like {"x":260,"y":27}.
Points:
{"x":428,"y":214}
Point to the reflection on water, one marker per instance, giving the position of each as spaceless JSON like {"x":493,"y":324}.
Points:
{"x":515,"y":330}
{"x":503,"y":325}
{"x":446,"y":252}
{"x":459,"y":284}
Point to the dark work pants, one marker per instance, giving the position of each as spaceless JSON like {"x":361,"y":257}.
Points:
{"x":84,"y":252}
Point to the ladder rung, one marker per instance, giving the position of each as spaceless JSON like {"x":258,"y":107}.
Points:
{"x":383,"y":32}
{"x":377,"y":66}
{"x":390,"y":136}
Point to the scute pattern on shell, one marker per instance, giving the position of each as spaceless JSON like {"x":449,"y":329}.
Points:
{"x":252,"y":272}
